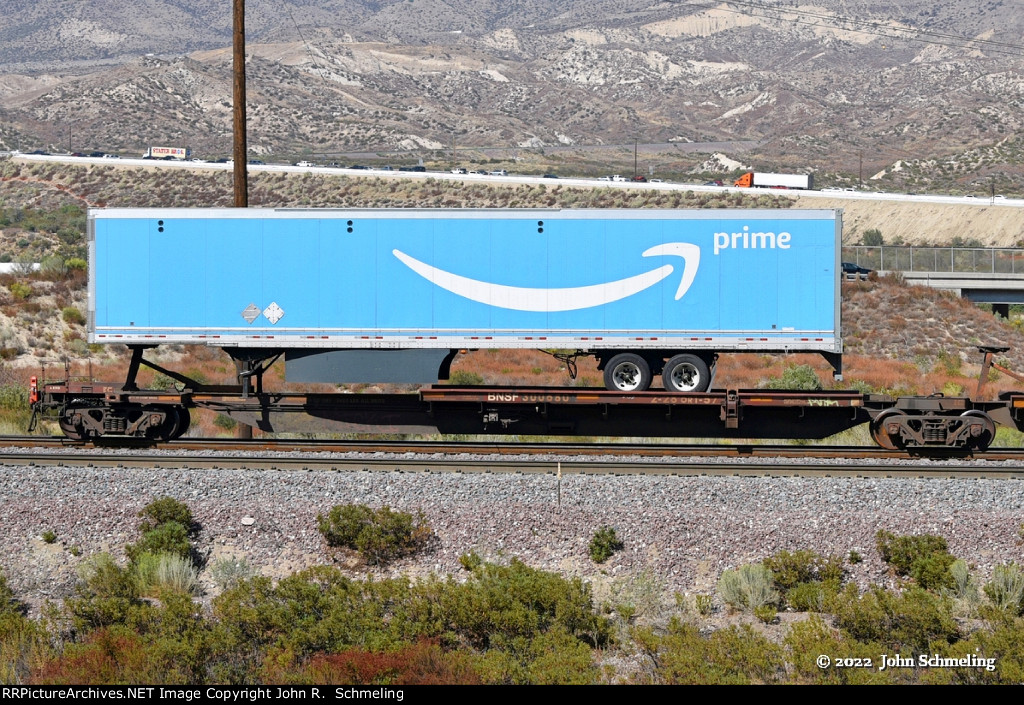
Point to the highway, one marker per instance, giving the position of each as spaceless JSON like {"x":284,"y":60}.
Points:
{"x":998,"y":201}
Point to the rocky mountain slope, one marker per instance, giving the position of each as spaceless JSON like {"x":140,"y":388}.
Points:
{"x":856,"y":87}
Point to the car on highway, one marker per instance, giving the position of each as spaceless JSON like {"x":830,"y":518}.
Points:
{"x":851,"y":269}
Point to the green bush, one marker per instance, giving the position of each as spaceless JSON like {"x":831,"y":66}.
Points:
{"x":748,"y":587}
{"x":163,"y":510}
{"x":733,"y":656}
{"x":604,"y":544}
{"x":225,"y":422}
{"x":796,"y":377}
{"x":168,"y":537}
{"x":49,"y":536}
{"x":465,"y":378}
{"x":792,"y":569}
{"x":72,"y":316}
{"x":13,"y":397}
{"x":379,"y":535}
{"x":873,"y":237}
{"x":911,"y":620}
{"x":106,"y":595}
{"x":807,"y":597}
{"x":924,"y":557}
{"x":19,"y":290}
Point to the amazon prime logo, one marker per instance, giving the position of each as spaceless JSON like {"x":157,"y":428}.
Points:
{"x":562,"y":299}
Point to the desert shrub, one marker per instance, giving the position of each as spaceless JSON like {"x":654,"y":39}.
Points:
{"x":704,"y":604}
{"x":1006,"y":589}
{"x":106,"y":594}
{"x":53,"y":266}
{"x":49,"y":536}
{"x":873,"y":237}
{"x":550,"y":658}
{"x":766,"y":613}
{"x":19,"y":290}
{"x":465,"y":378}
{"x":225,"y":422}
{"x":379,"y":535}
{"x":807,"y":640}
{"x":163,"y":510}
{"x":13,"y":397}
{"x":807,"y":597}
{"x":804,"y":566}
{"x":737,"y":655}
{"x":502,"y":603}
{"x":911,"y":620}
{"x":157,"y":574}
{"x":510,"y":608}
{"x":748,"y":587}
{"x":77,"y":263}
{"x":166,"y":644}
{"x":229,"y":572}
{"x":797,"y":377}
{"x":422,"y":663}
{"x":604,"y":544}
{"x":924,"y":557}
{"x":72,"y":316}
{"x":169,"y":537}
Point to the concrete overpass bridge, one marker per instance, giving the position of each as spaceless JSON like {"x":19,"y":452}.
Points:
{"x":981,"y":274}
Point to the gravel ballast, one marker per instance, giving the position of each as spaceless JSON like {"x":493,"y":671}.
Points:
{"x":680,"y":531}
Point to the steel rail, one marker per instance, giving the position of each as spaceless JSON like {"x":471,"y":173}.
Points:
{"x":505,"y":448}
{"x":687,"y":468}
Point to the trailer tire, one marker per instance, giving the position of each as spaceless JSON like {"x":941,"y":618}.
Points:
{"x":686,"y":373}
{"x":627,"y":372}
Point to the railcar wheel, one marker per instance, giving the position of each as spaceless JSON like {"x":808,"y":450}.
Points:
{"x":184,"y":421}
{"x":176,"y":422}
{"x":686,"y":373}
{"x":71,"y":427}
{"x":988,"y":432}
{"x":627,"y":372}
{"x":881,"y":435}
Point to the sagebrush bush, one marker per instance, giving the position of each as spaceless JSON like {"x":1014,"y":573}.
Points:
{"x":158,"y":573}
{"x":1006,"y":589}
{"x":748,"y":587}
{"x":378,"y":535}
{"x":604,"y":544}
{"x":229,"y":572}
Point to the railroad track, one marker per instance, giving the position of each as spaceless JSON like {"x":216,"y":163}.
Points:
{"x":443,"y":456}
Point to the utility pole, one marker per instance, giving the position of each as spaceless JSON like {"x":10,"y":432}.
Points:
{"x":636,"y":145}
{"x":241,"y":185}
{"x":238,"y":70}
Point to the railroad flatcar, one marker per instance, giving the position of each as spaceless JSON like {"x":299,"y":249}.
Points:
{"x":393,"y":295}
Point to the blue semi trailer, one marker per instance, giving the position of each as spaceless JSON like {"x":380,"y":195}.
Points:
{"x":352,"y":295}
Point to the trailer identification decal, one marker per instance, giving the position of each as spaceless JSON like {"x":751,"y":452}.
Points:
{"x":564,"y":299}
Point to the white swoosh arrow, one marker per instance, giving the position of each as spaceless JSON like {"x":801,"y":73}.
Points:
{"x":566,"y":299}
